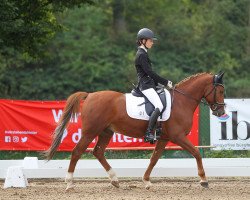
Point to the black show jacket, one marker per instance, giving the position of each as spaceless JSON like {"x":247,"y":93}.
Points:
{"x":147,"y":78}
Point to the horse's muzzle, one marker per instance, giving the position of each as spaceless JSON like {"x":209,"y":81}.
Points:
{"x":218,"y":112}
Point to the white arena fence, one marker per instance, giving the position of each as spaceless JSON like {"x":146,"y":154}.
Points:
{"x":216,"y":167}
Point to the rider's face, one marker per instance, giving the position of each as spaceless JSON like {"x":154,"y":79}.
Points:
{"x":149,"y":43}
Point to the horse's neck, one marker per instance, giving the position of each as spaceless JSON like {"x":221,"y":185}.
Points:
{"x":195,"y":87}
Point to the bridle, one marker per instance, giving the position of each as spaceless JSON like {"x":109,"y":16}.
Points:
{"x":215,"y":106}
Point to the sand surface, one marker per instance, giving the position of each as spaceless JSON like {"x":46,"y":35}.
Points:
{"x":163,"y":188}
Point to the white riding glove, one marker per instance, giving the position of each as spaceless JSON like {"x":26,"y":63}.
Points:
{"x":170,"y":85}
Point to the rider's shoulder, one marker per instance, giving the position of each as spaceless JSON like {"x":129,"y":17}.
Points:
{"x":141,"y":53}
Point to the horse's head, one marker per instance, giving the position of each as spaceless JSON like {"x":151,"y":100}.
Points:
{"x":214,"y":95}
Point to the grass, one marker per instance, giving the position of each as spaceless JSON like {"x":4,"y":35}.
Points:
{"x":206,"y":153}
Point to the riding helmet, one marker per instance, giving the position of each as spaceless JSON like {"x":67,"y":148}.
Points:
{"x":145,"y":33}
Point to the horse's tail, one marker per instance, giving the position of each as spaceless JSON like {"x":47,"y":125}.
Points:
{"x":72,"y":107}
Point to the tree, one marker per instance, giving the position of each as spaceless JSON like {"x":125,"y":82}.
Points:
{"x":26,"y":26}
{"x":119,"y":16}
{"x":91,"y":54}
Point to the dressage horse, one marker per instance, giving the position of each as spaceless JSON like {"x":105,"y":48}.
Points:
{"x":104,"y":113}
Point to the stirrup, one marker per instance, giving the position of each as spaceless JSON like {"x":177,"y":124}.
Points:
{"x":152,"y":138}
{"x":158,"y":132}
{"x":149,"y":137}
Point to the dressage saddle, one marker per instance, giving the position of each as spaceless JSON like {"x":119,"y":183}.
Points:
{"x":149,"y":107}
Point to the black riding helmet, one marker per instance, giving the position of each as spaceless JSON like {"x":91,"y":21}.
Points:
{"x":145,"y":33}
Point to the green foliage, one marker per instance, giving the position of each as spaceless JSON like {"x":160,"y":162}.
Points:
{"x":146,"y":154}
{"x":227,"y":154}
{"x":92,"y":47}
{"x":109,"y":154}
{"x":26,"y":26}
{"x":19,"y":155}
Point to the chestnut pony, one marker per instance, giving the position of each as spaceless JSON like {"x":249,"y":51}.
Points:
{"x":104,"y":113}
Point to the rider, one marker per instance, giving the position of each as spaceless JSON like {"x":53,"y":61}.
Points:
{"x":148,"y":79}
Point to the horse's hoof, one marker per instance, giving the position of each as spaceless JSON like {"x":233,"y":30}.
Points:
{"x":115,"y":183}
{"x":204,"y":184}
{"x":70,"y":186}
{"x":148,"y":184}
{"x":147,"y":187}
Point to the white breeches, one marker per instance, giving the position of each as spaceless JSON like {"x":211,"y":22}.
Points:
{"x":153,"y":97}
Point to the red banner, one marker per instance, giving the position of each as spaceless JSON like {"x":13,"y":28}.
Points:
{"x":28,"y":125}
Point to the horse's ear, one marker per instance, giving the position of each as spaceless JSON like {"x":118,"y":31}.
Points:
{"x":218,"y":78}
{"x":220,"y":75}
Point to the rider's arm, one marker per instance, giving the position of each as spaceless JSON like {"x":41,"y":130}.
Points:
{"x":146,"y":66}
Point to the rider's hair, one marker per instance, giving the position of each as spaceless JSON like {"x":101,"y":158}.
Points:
{"x":139,"y":42}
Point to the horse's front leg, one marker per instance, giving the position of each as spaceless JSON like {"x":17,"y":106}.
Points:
{"x":159,"y":148}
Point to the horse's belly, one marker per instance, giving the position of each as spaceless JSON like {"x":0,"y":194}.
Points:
{"x":124,"y":129}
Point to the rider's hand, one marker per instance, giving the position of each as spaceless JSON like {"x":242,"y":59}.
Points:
{"x":170,"y":85}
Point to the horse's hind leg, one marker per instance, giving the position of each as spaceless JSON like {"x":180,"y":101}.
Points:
{"x":187,"y":145}
{"x":159,"y":148}
{"x":75,"y":156}
{"x":103,"y":141}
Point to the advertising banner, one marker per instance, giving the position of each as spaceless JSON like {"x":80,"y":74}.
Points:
{"x":231,"y":131}
{"x":28,"y":125}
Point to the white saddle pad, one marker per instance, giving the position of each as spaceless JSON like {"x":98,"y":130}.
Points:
{"x":139,"y":112}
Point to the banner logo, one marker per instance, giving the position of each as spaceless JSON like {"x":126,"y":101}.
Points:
{"x":232,"y":131}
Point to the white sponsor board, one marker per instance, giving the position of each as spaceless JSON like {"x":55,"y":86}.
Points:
{"x":231,"y":131}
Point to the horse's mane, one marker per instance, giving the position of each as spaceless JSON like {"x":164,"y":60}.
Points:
{"x":191,"y":77}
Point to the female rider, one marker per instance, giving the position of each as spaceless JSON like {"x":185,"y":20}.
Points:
{"x":148,"y":79}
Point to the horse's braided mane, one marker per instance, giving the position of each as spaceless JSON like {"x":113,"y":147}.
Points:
{"x":191,"y":77}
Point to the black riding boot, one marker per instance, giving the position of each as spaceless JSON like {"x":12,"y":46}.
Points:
{"x":149,"y":137}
